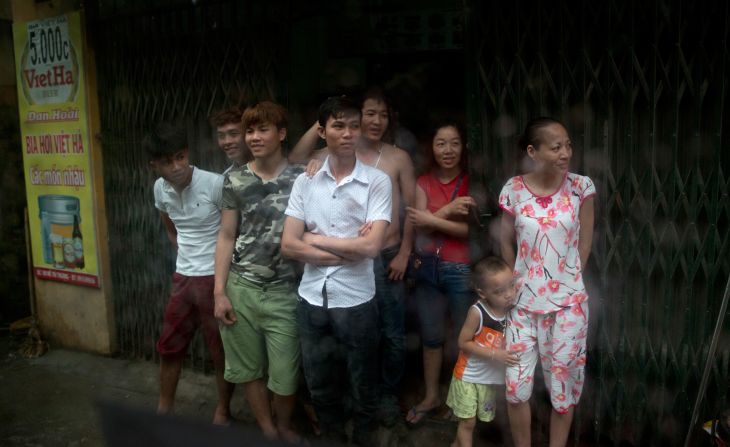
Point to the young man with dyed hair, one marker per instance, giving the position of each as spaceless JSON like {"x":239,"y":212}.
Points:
{"x":255,"y":287}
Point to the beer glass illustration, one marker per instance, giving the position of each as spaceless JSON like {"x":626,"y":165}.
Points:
{"x":60,"y":233}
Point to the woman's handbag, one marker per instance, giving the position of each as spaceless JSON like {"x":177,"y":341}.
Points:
{"x":425,"y":267}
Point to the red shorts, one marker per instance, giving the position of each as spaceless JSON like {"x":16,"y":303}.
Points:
{"x":190,"y":307}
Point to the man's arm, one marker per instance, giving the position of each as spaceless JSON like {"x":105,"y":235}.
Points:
{"x":292,"y":246}
{"x":302,"y":151}
{"x":169,"y":228}
{"x":223,"y":309}
{"x":407,"y":184}
{"x":352,"y":248}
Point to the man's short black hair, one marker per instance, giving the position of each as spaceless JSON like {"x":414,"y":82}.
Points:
{"x":337,"y":107}
{"x":165,"y":140}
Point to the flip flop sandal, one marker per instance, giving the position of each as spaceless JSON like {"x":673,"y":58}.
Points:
{"x":419,"y":415}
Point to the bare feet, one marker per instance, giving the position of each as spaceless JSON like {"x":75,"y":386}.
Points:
{"x":222,"y":416}
{"x":164,"y":411}
{"x":313,"y":421}
{"x":291,"y":437}
{"x":287,"y":435}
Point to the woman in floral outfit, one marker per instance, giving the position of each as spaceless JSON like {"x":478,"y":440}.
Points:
{"x":548,"y":215}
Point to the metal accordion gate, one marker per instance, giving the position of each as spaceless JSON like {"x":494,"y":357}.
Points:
{"x":181,"y":64}
{"x":642,"y":88}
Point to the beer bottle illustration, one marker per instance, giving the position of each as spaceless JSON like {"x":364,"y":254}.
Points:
{"x":78,"y":244}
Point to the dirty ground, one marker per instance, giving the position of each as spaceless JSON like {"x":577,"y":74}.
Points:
{"x":52,"y":401}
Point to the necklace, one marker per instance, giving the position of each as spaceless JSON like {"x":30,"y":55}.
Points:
{"x":380,"y":154}
{"x":504,"y":323}
{"x":377,"y":160}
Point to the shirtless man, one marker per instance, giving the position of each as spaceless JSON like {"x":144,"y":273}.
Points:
{"x":390,"y":267}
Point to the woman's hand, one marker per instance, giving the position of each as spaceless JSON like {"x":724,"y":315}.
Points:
{"x":459,"y":207}
{"x":420,"y":219}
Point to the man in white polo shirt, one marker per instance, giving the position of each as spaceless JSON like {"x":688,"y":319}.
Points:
{"x":189,"y":201}
{"x":336,"y":224}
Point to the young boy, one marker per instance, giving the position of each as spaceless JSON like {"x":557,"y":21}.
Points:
{"x":255,"y":287}
{"x":229,"y":134}
{"x":188,"y":199}
{"x":479,"y":371}
{"x":337,"y":316}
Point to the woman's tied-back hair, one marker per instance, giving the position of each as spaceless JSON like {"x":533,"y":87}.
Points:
{"x":531,"y":135}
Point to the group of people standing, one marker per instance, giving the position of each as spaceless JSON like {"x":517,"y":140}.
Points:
{"x":243,"y":237}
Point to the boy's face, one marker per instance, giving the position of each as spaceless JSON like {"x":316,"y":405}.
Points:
{"x":174,"y":168}
{"x":374,"y":119}
{"x":230,"y":139}
{"x":264,"y":139}
{"x":341,"y":133}
{"x":498,"y":289}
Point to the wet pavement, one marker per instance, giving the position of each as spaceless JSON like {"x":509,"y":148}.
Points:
{"x":52,"y":401}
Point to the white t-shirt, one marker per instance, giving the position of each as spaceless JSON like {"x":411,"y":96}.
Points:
{"x":197,"y":218}
{"x":339,"y":210}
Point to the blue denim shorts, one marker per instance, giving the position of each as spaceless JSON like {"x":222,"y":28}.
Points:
{"x":453,"y":292}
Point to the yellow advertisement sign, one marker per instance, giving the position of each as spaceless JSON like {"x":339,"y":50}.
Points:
{"x":56,"y":150}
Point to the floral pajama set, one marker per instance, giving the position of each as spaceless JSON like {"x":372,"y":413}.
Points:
{"x":551,"y":313}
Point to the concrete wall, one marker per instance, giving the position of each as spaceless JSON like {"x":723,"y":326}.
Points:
{"x":72,"y":316}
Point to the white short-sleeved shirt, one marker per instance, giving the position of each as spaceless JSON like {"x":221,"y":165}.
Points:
{"x":339,"y":211}
{"x":547,"y":229}
{"x":197,"y":218}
